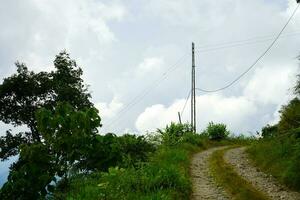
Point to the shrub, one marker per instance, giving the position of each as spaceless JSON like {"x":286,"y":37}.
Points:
{"x":123,"y":151}
{"x":290,"y":116}
{"x":216,"y":131}
{"x":269,"y":131}
{"x":173,"y":134}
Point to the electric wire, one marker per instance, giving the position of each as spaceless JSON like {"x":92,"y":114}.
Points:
{"x":146,"y":91}
{"x":256,"y":61}
{"x":252,"y":40}
{"x":233,"y":44}
{"x":186,"y":100}
{"x":206,"y":48}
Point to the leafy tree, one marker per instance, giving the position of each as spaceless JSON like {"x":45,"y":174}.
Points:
{"x":269,"y":131}
{"x":31,"y":176}
{"x":216,"y":131}
{"x":23,"y":93}
{"x":290,"y":116}
{"x":60,"y":135}
{"x":68,"y":136}
{"x":68,"y":133}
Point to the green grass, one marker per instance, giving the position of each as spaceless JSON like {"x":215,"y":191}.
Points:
{"x":236,"y":186}
{"x":279,"y":157}
{"x":165,"y":176}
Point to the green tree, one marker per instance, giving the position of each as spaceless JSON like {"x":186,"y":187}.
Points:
{"x":62,"y":123}
{"x":269,"y":131}
{"x":23,"y":93}
{"x":68,"y":135}
{"x":290,"y":116}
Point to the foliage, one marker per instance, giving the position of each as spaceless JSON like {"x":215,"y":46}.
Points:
{"x":67,"y":137}
{"x":280,"y":157}
{"x":165,"y":176}
{"x":30,"y":176}
{"x":23,"y":93}
{"x":216,"y":131}
{"x":269,"y":131}
{"x":290,"y":116}
{"x":62,"y":123}
{"x":173,"y":133}
{"x":123,"y":151}
{"x":68,"y":133}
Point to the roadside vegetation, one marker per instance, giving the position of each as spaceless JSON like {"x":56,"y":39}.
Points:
{"x":278,"y":151}
{"x":165,"y":175}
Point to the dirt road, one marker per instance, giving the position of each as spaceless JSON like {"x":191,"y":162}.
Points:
{"x":204,"y":187}
{"x":265,"y":183}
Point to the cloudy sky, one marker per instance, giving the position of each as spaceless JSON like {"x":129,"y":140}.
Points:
{"x":136,"y":57}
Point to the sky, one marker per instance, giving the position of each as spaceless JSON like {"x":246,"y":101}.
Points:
{"x":136,"y":57}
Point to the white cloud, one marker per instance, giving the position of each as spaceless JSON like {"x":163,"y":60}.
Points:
{"x":108,"y":111}
{"x":43,"y":28}
{"x":157,"y":116}
{"x":150,"y":65}
{"x":233,"y":111}
{"x":270,"y":85}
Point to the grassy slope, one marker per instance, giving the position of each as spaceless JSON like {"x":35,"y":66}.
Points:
{"x":224,"y":174}
{"x":279,"y":157}
{"x":165,"y":176}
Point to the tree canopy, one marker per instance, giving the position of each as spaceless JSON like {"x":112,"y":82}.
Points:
{"x":23,"y":93}
{"x":62,"y":123}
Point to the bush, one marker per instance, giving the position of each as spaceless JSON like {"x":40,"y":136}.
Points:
{"x":290,"y":116}
{"x":173,"y":135}
{"x":164,"y":177}
{"x":123,"y":151}
{"x":269,"y":131}
{"x":216,"y":131}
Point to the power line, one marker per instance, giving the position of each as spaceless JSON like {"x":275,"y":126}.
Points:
{"x":238,"y":44}
{"x":253,"y":40}
{"x":186,"y":100}
{"x":146,"y":91}
{"x":256,"y":61}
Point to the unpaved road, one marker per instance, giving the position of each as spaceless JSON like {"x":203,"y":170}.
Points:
{"x":265,"y":183}
{"x":204,"y":186}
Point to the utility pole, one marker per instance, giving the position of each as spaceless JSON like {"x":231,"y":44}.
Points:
{"x":179,"y":118}
{"x":193,"y":91}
